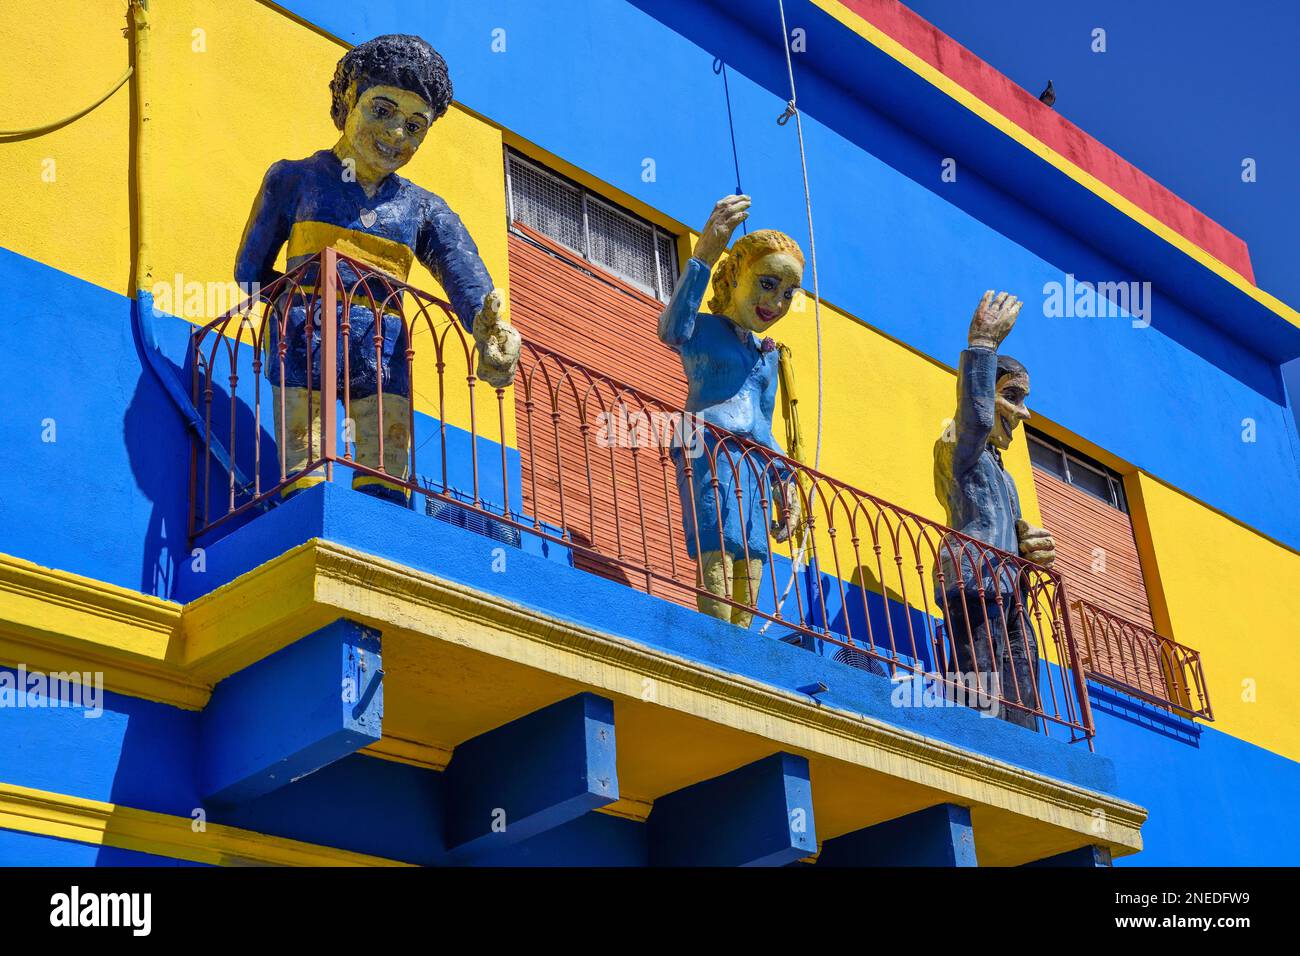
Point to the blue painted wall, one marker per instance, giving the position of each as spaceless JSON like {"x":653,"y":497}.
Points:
{"x":1214,"y":800}
{"x":108,"y":497}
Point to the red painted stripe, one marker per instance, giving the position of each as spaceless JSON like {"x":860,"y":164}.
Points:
{"x":1021,"y":107}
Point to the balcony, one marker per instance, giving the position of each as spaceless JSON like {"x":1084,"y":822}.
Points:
{"x":531,"y":559}
{"x":1142,"y":663}
{"x":594,"y":483}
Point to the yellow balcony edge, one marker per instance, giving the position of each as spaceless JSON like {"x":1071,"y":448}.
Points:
{"x":42,"y":812}
{"x":54,"y":620}
{"x":38,"y":599}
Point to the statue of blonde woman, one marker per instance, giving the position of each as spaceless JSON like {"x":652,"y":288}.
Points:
{"x":731,"y":368}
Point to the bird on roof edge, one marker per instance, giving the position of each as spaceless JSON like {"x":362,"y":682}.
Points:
{"x":1048,"y":95}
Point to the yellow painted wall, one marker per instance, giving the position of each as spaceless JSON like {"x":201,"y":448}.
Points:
{"x":57,"y":57}
{"x":885,"y":406}
{"x":236,"y":86}
{"x":1233,"y":595}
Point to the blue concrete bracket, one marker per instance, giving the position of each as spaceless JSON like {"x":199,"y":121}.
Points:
{"x":1088,"y":856}
{"x":936,"y":836}
{"x":304,"y":707}
{"x":531,"y":775}
{"x":758,"y":815}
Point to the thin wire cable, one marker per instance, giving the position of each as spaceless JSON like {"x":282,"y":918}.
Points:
{"x":720,"y":67}
{"x":46,"y":127}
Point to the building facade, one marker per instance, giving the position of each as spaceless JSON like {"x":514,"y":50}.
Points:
{"x":511,"y":670}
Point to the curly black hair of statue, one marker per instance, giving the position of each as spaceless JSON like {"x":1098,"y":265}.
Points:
{"x":395,"y":59}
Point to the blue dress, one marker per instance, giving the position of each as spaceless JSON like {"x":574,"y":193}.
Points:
{"x":732,"y":384}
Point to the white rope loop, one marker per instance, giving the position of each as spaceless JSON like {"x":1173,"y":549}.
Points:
{"x":792,"y":110}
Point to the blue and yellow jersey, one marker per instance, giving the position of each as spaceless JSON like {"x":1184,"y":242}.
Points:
{"x":310,"y":204}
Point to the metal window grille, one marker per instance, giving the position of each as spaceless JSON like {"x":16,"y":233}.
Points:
{"x":622,"y":244}
{"x":466,"y":517}
{"x":667,"y":251}
{"x":547,"y":203}
{"x":597,"y":230}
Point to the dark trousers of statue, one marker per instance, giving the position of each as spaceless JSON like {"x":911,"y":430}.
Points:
{"x":995,"y":638}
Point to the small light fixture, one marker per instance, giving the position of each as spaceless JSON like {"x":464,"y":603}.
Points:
{"x":813,"y":689}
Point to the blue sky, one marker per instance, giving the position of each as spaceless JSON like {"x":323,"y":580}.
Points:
{"x":1185,"y":91}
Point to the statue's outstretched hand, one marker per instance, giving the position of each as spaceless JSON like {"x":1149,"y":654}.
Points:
{"x":993,"y":320}
{"x":498,"y":342}
{"x":729,"y":213}
{"x":1036,"y":544}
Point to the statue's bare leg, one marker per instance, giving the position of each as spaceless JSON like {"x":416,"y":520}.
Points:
{"x":297,"y":434}
{"x":747,"y":576}
{"x":397,"y":443}
{"x":715,"y":577}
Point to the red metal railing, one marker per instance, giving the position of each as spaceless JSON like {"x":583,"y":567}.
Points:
{"x":871,"y":583}
{"x":1141,"y":662}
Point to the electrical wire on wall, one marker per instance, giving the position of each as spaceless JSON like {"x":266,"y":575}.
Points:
{"x":65,"y":120}
{"x":142,"y":302}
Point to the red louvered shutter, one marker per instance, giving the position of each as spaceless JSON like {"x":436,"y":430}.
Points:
{"x":1098,"y":557}
{"x":629,"y":509}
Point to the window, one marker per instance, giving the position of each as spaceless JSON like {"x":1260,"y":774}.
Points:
{"x":1082,"y":504}
{"x":1078,"y":470}
{"x":594,"y":228}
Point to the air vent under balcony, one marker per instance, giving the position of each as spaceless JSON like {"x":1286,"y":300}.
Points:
{"x":465,"y":517}
{"x":859,"y":659}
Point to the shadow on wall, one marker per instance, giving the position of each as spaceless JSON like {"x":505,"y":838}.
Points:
{"x":157,"y":442}
{"x":1291,"y":382}
{"x":1140,"y":713}
{"x":158,"y":473}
